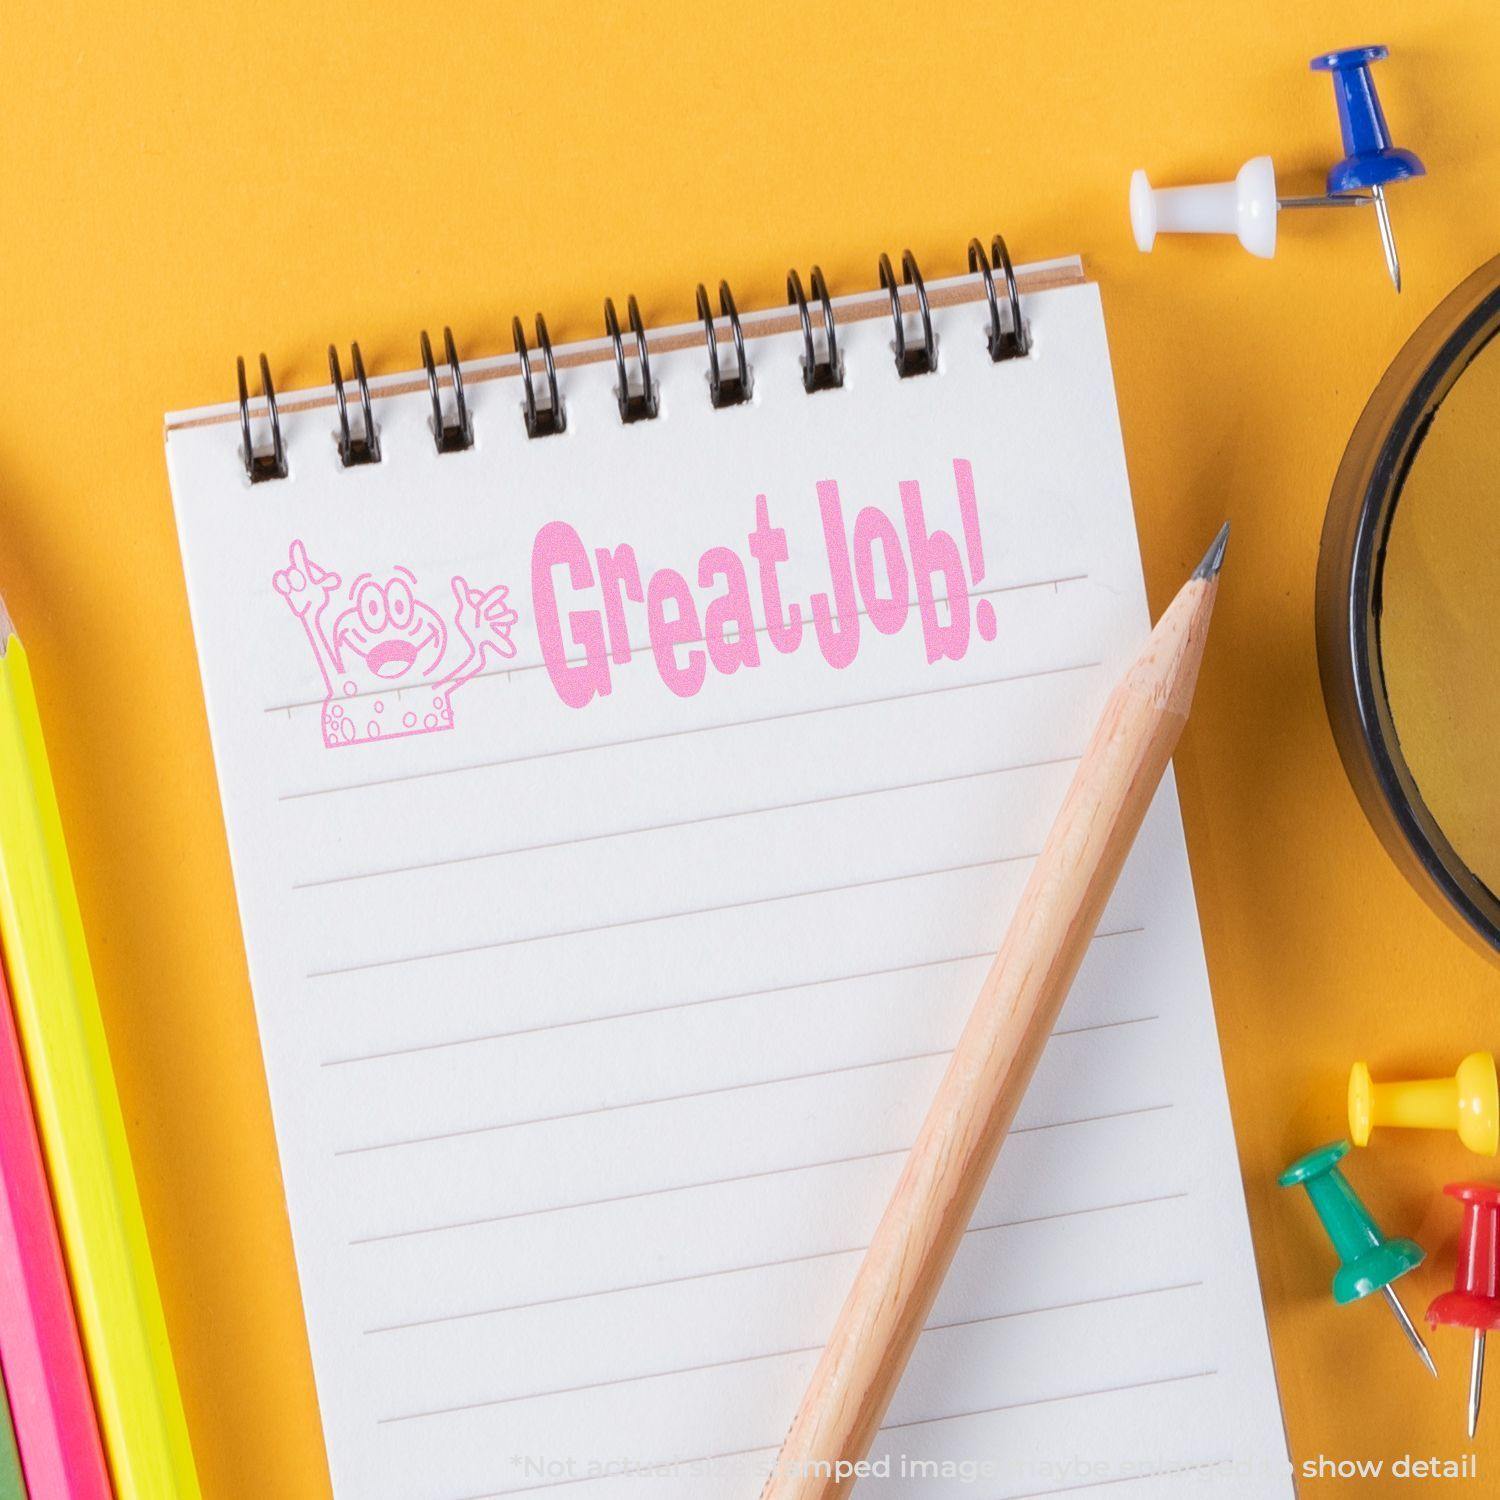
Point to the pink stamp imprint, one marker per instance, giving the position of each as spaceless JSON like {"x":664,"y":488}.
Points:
{"x":883,"y":570}
{"x":390,"y":660}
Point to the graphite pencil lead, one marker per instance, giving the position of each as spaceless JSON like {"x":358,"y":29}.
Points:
{"x":1213,"y":559}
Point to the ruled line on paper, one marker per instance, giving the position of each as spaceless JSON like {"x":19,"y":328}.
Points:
{"x":771,"y":1449}
{"x":764,"y":1172}
{"x":1109,"y":1390}
{"x":609,"y":1109}
{"x":689,"y":729}
{"x":655,"y":1010}
{"x":704,"y":1000}
{"x":660,"y":1192}
{"x":644,"y":648}
{"x":1104,"y":1025}
{"x":764,"y":1265}
{"x":705,"y":818}
{"x":747,"y":1359}
{"x":717,"y":1091}
{"x":399,"y":960}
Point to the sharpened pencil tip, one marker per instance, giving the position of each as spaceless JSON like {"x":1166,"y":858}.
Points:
{"x":1213,"y":559}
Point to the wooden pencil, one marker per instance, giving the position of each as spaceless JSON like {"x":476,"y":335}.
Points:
{"x":78,"y":1115}
{"x":1017,"y":1008}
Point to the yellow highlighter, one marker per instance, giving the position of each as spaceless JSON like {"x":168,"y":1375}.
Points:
{"x":78,"y":1115}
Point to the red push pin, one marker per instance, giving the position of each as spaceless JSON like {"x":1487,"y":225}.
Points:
{"x":1474,"y":1301}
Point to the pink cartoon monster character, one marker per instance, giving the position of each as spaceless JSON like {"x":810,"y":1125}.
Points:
{"x":385,"y":654}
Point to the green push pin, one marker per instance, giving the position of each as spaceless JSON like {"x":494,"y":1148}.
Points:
{"x":1369,"y":1261}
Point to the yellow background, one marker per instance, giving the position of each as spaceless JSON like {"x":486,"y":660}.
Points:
{"x":184,"y":183}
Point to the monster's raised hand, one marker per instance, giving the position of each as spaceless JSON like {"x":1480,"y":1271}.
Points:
{"x":484,"y":618}
{"x":303,"y":584}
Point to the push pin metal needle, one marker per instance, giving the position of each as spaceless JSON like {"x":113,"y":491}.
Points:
{"x":1369,"y":1262}
{"x":1409,"y":1329}
{"x":1474,"y":1302}
{"x":1370,"y":160}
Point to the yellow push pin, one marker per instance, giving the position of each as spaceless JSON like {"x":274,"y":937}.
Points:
{"x":1469,"y":1103}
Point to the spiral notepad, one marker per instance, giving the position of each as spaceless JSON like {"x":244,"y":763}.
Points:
{"x":631,"y":752}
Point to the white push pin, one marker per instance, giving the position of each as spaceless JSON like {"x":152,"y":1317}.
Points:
{"x":1245,"y":208}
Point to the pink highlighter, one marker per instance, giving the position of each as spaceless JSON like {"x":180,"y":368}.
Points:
{"x":46,"y":1379}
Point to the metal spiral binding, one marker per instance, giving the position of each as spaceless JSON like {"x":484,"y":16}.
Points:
{"x":541,"y":421}
{"x":822,"y":364}
{"x":259,"y":466}
{"x":826,"y":374}
{"x":1005,"y":343}
{"x":919,"y":359}
{"x":634,"y":406}
{"x":364,"y":449}
{"x":724,"y":390}
{"x":458,"y":435}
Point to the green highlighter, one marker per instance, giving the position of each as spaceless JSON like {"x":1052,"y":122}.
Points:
{"x":1369,"y":1262}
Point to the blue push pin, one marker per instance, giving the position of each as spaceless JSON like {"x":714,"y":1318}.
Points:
{"x":1370,"y":160}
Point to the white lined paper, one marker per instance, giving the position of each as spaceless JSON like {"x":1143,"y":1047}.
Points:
{"x":596,"y":1036}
